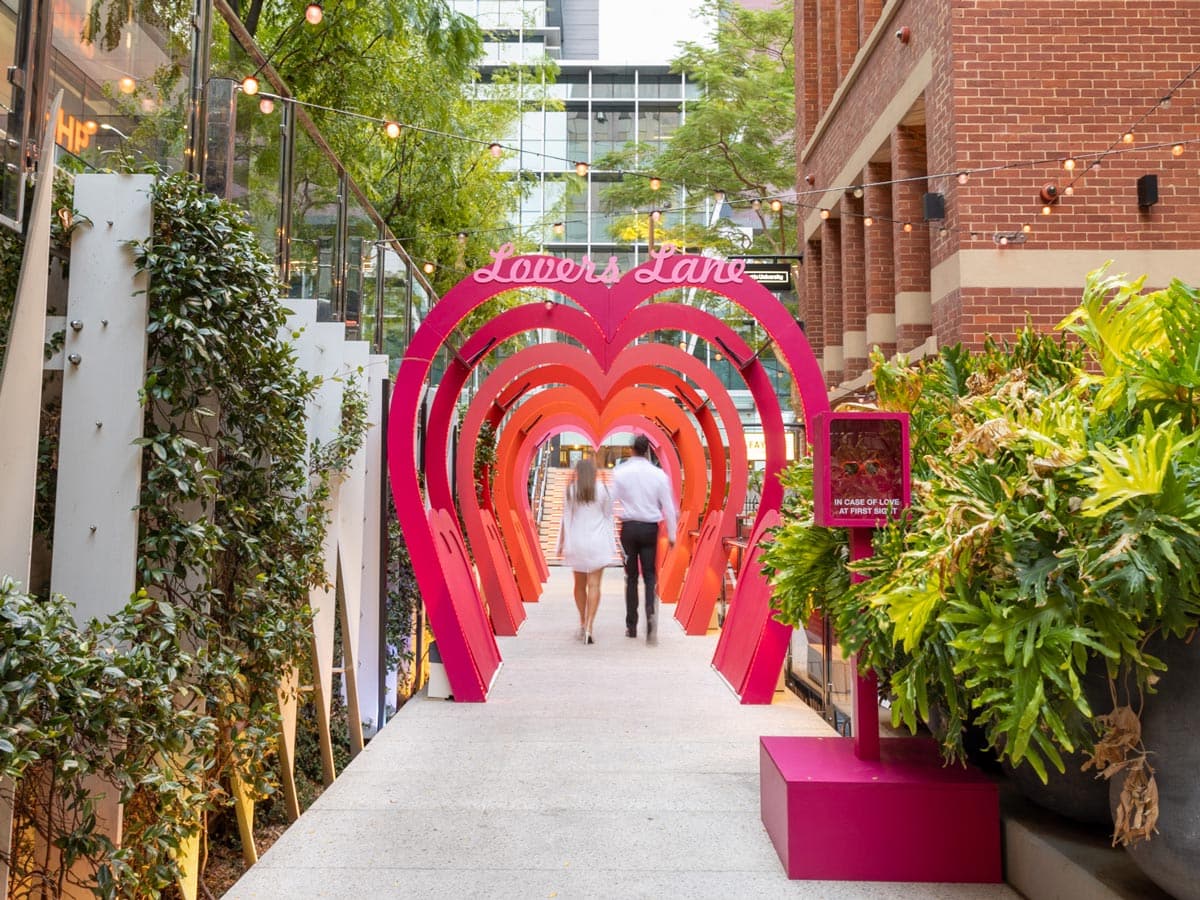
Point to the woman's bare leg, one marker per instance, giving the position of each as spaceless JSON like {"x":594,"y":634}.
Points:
{"x":581,"y":588}
{"x":593,"y":599}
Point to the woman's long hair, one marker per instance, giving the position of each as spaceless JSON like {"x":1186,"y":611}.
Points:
{"x":585,"y":481}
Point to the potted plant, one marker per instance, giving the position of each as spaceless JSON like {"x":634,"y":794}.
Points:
{"x":1053,"y":531}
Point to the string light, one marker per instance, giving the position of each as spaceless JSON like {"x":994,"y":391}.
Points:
{"x":655,"y":183}
{"x":908,"y":226}
{"x":756,"y":204}
{"x":1027,"y":228}
{"x":126,"y":85}
{"x":559,"y":228}
{"x":266,"y":106}
{"x":963,"y":177}
{"x":1127,"y":137}
{"x":1069,"y":164}
{"x":250,"y":85}
{"x":656,"y":215}
{"x":428,"y":268}
{"x":777,"y":205}
{"x":868,"y":221}
{"x":1046,"y":209}
{"x":581,"y":169}
{"x":1177,"y":150}
{"x":1069,"y":190}
{"x":313,"y":13}
{"x":824,"y":214}
{"x":495,"y":149}
{"x":392,"y":130}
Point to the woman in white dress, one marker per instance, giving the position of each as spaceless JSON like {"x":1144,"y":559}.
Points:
{"x":586,"y":541}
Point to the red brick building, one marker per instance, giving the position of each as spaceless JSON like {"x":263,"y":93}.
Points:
{"x":981,"y":103}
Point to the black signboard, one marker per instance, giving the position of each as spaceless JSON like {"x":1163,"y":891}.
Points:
{"x":773,"y":276}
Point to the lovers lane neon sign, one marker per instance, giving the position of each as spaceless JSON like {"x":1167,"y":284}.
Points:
{"x":661,"y":269}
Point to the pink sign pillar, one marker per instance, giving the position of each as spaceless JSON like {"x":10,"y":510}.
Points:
{"x":862,"y":809}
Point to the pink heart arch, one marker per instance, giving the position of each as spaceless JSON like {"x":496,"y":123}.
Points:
{"x":607,"y":322}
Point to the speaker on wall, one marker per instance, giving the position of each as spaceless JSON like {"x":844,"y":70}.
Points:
{"x":935,"y":206}
{"x":1147,"y":187}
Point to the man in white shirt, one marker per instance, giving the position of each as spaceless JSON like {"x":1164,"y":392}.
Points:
{"x":645,"y":495}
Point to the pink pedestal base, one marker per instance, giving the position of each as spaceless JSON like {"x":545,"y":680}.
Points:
{"x":904,"y":817}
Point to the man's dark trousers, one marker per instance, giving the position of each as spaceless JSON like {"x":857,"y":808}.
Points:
{"x":639,"y":543}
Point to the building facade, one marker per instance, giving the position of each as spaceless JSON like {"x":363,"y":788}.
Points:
{"x":965,"y":163}
{"x":614,"y":86}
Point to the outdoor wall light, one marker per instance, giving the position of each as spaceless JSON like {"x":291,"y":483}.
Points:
{"x":1004,"y":238}
{"x":904,"y":34}
{"x":1049,"y":193}
{"x":810,"y":179}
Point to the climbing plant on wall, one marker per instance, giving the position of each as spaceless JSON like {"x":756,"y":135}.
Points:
{"x":176,"y":694}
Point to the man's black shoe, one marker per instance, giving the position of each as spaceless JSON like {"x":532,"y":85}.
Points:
{"x":630,"y":632}
{"x":652,"y":630}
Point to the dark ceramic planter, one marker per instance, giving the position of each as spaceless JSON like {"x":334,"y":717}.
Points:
{"x":1171,"y":858}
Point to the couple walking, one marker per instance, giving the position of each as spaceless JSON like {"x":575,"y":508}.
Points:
{"x":586,"y":540}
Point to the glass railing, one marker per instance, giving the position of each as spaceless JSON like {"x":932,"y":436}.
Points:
{"x":159,"y":85}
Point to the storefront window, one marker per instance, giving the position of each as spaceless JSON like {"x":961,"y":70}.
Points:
{"x":122,"y":69}
{"x":10,"y":120}
{"x":314,"y":226}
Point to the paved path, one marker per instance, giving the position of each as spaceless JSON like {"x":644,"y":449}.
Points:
{"x":609,"y":771}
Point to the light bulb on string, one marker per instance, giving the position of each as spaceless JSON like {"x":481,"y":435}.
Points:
{"x":824,"y":214}
{"x":1069,"y":164}
{"x":963,"y":177}
{"x":1046,"y":210}
{"x":90,"y":127}
{"x":392,"y":130}
{"x":428,"y":268}
{"x":868,"y":221}
{"x":126,"y":85}
{"x":249,"y":85}
{"x":1027,"y":228}
{"x":1165,"y":102}
{"x":655,"y":183}
{"x":908,"y":226}
{"x":266,"y":106}
{"x":1069,"y":190}
{"x":756,"y":204}
{"x":656,"y":215}
{"x":1177,"y":150}
{"x":1004,"y":242}
{"x":581,"y":169}
{"x":1127,"y":137}
{"x":313,"y":13}
{"x":558,"y":228}
{"x":495,"y":149}
{"x":777,"y":205}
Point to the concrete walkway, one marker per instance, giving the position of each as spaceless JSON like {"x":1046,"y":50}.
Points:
{"x":611,"y":770}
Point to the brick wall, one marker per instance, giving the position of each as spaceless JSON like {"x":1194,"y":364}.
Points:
{"x":1019,"y":84}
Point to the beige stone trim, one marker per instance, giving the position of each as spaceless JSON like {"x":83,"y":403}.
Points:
{"x":902,"y":101}
{"x":834,"y":360}
{"x":914,"y":308}
{"x":881,"y":328}
{"x":1018,"y":267}
{"x":855,"y":344}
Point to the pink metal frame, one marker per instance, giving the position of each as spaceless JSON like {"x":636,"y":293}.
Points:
{"x":607,"y":322}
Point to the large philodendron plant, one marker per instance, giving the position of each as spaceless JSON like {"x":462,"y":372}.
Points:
{"x":1053,"y":525}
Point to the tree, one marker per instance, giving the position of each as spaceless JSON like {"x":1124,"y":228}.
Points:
{"x":739,"y":137}
{"x":406,"y":62}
